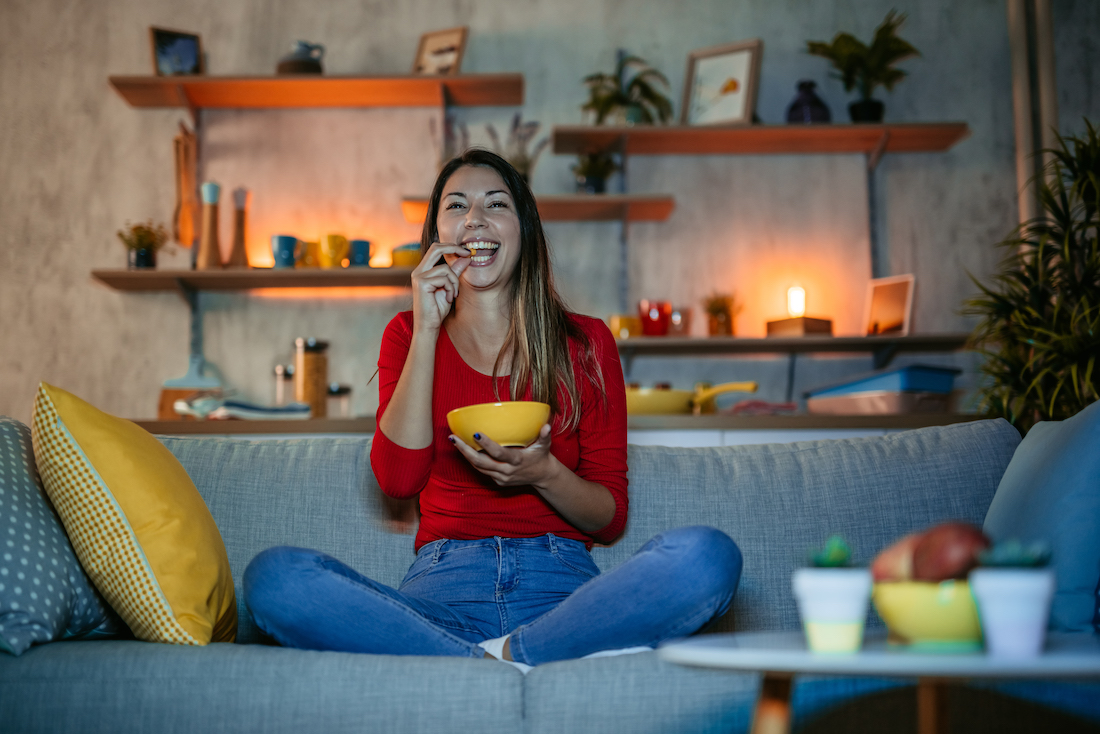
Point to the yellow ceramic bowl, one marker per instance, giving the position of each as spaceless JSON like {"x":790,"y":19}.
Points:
{"x":510,"y":424}
{"x":930,"y":616}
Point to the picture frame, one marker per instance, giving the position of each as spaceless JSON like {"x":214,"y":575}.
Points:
{"x":889,"y":306}
{"x":440,"y":52}
{"x":721,"y":84}
{"x":176,"y":53}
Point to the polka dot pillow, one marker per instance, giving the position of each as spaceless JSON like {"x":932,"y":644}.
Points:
{"x":44,"y":594}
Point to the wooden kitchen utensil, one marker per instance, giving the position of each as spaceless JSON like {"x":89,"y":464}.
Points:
{"x":210,"y":254}
{"x":238,"y":255}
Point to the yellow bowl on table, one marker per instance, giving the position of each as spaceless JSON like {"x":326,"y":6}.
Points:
{"x":929,"y":616}
{"x":515,"y":423}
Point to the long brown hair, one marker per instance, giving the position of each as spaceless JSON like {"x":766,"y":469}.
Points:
{"x":540,"y":330}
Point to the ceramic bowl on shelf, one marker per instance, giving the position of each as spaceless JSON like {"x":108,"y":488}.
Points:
{"x":406,"y":256}
{"x":928,"y":615}
{"x":514,"y":423}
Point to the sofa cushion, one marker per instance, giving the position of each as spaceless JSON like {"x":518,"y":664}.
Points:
{"x":44,"y":594}
{"x":131,"y":687}
{"x":138,"y":526}
{"x":778,"y":501}
{"x":312,"y":493}
{"x":1051,"y":492}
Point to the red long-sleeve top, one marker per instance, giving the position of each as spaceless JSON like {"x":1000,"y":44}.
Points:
{"x":457,"y":501}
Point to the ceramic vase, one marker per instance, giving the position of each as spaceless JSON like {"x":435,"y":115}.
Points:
{"x":719,"y":324}
{"x":1014,"y":608}
{"x":143,"y":259}
{"x":866,"y":110}
{"x":832,"y":603}
{"x":807,"y":106}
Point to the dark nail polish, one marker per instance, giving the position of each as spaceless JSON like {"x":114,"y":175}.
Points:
{"x":451,"y":439}
{"x":477,"y":436}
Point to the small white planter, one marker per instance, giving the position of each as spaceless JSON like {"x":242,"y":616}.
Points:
{"x":833,"y":605}
{"x":1014,"y":608}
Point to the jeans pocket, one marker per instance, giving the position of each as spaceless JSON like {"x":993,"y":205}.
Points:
{"x":426,"y":559}
{"x":573,"y":555}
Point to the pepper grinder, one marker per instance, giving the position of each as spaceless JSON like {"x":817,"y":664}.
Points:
{"x":238,"y":256}
{"x":210,"y":255}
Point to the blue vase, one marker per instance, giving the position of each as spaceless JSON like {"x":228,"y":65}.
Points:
{"x":807,"y":107}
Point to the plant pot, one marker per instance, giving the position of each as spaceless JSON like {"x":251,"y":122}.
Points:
{"x":866,"y":110}
{"x":591,"y":185}
{"x":719,"y":324}
{"x":1014,"y":608}
{"x":832,"y":603}
{"x":144,"y":259}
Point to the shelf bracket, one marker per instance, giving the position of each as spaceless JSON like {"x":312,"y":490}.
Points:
{"x":878,"y":259}
{"x":627,"y":358}
{"x":875,"y":155}
{"x":790,"y":375}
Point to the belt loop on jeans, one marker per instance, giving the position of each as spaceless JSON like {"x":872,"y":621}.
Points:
{"x":552,"y":543}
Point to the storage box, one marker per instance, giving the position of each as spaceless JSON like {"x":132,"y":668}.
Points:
{"x":913,"y":389}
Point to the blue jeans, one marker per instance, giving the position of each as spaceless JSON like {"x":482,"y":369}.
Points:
{"x":546,"y":592}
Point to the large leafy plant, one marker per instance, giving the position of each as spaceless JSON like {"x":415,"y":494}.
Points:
{"x":636,"y":95}
{"x":863,"y":66}
{"x":1040,"y":326}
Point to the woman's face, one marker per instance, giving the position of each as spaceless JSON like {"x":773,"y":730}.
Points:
{"x":477,"y":211}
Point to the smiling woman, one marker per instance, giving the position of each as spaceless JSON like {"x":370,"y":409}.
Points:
{"x":505,"y":531}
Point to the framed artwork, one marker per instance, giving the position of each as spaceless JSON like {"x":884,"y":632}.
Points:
{"x":176,"y":52}
{"x":889,"y":306}
{"x":440,"y":52}
{"x":721,"y":84}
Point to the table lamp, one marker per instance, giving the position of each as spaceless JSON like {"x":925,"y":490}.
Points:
{"x":799,"y":324}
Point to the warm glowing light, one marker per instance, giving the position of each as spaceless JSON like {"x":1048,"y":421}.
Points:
{"x":796,"y":301}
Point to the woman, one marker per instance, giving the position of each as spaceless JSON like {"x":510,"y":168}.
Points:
{"x":502,"y":567}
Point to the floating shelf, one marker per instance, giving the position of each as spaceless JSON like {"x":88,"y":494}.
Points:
{"x":233,"y":427}
{"x":579,"y":208}
{"x":684,"y":346}
{"x":204,"y":92}
{"x":246,"y":279}
{"x":761,"y":139}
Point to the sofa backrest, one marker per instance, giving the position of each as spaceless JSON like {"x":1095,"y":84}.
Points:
{"x":776,"y":501}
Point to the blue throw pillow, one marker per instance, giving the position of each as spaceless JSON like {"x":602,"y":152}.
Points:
{"x":44,"y":594}
{"x":1051,"y":492}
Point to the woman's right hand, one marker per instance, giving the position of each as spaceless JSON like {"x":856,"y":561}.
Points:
{"x":435,"y":286}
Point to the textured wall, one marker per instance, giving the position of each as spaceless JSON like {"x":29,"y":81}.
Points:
{"x":76,"y":163}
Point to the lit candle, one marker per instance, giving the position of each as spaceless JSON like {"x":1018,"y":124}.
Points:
{"x":796,"y":301}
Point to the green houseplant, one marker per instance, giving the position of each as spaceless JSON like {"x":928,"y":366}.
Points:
{"x":592,"y":171}
{"x":515,"y":150}
{"x":631,"y":97}
{"x":142,"y":241}
{"x":1040,"y":315}
{"x":866,"y":67}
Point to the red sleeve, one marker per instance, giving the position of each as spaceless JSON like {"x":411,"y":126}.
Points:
{"x":602,"y":431}
{"x":401,"y":472}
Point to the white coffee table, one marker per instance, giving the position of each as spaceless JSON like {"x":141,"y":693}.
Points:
{"x":782,"y":655}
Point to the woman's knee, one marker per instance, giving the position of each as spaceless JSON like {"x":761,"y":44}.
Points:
{"x":272,"y":573}
{"x":706,"y":553}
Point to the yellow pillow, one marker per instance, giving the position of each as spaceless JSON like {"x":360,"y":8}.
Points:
{"x":136,"y":521}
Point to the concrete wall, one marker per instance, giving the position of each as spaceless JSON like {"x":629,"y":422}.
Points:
{"x":76,"y":163}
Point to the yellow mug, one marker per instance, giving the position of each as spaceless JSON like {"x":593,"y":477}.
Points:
{"x":624,"y":326}
{"x":334,"y":250}
{"x":310,"y":256}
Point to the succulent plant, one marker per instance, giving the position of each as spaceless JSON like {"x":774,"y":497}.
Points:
{"x":143,"y":236}
{"x":835,"y":554}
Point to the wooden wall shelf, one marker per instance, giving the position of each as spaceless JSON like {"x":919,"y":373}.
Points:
{"x":204,"y":92}
{"x":579,"y":208}
{"x":685,"y":346}
{"x":761,"y":139}
{"x":235,"y":427}
{"x":246,"y":279}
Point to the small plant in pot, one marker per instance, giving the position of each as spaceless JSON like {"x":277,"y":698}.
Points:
{"x":832,"y":598}
{"x":1014,"y":589}
{"x":142,"y":241}
{"x":864,"y":67}
{"x":628,"y":96}
{"x":515,"y":150}
{"x":721,"y":309}
{"x":592,"y":171}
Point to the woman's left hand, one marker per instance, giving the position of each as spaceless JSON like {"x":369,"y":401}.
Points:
{"x":510,"y":467}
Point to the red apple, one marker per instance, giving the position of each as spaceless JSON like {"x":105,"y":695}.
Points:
{"x":948,"y":551}
{"x":896,"y":562}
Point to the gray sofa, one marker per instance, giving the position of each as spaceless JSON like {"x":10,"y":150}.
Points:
{"x":776,"y":501}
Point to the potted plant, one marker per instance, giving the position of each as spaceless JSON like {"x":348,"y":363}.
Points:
{"x":592,"y":171}
{"x":628,"y":100}
{"x":1040,"y":315}
{"x":866,"y":67}
{"x":832,"y":598}
{"x":722,"y":309}
{"x":515,"y":150}
{"x":142,"y":242}
{"x":1013,"y":589}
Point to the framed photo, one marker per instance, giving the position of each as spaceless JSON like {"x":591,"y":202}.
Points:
{"x":440,"y":52}
{"x":176,"y":52}
{"x":889,"y":306}
{"x":721,"y":84}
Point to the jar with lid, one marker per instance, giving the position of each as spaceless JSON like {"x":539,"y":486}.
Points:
{"x":339,"y":400}
{"x":311,"y":375}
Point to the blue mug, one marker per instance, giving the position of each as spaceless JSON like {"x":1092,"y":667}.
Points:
{"x":359,"y":253}
{"x":285,"y":249}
